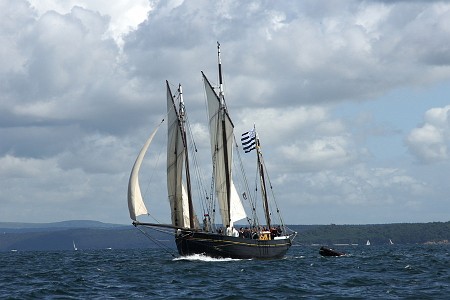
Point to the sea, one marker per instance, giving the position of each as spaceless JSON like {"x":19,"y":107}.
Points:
{"x":365,"y":272}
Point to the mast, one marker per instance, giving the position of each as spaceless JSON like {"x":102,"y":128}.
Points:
{"x":221,"y":139}
{"x":220,"y":75}
{"x":182,"y":212}
{"x":224,"y":135}
{"x":182,"y":121}
{"x":263,"y":182}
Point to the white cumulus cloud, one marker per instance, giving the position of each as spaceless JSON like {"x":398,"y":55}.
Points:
{"x":430,"y":142}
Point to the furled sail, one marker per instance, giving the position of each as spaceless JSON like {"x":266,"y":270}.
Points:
{"x":136,"y":204}
{"x":175,"y":160}
{"x":220,"y":124}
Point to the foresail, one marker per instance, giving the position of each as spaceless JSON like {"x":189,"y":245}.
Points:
{"x":136,"y":204}
{"x":222,"y":155}
{"x":236,"y":207}
{"x":185,"y":205}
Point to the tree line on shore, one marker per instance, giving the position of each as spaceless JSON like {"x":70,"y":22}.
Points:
{"x":377,"y":234}
{"x":127,"y":237}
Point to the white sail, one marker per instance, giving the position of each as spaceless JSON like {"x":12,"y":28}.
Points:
{"x":185,"y":205}
{"x":136,"y":204}
{"x":222,"y":153}
{"x":175,"y":161}
{"x":237,"y":211}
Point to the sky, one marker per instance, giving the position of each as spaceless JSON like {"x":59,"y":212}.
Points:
{"x":350,"y":100}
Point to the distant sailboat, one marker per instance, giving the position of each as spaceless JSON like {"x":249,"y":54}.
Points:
{"x":74,"y":246}
{"x":391,"y":242}
{"x":368,"y":243}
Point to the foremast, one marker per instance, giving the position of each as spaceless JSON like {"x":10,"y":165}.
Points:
{"x":180,"y":198}
{"x":182,"y":124}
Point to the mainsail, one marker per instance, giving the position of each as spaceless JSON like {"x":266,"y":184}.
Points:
{"x":176,"y":153}
{"x":221,"y":138}
{"x":136,"y":204}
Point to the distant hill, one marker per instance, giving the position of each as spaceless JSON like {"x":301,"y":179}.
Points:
{"x":85,"y":234}
{"x":56,"y":225}
{"x":97,"y":235}
{"x":378,"y":234}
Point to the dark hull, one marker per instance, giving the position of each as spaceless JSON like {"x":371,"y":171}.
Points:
{"x":329,"y":252}
{"x":216,"y":245}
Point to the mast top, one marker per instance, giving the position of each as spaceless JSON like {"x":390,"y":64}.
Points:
{"x":181,"y":108}
{"x":219,"y":61}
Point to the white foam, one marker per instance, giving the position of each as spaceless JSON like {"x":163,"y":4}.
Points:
{"x":202,"y":257}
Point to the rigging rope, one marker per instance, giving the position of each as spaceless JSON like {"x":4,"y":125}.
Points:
{"x":246,"y":188}
{"x":200,"y":187}
{"x":158,"y":243}
{"x":156,"y":164}
{"x":273,"y":195}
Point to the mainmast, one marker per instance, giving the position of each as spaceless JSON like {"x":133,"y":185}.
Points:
{"x":182,"y":122}
{"x":221,"y":94}
{"x":224,"y":136}
{"x":221,"y":138}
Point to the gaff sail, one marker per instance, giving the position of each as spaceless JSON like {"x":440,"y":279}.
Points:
{"x":176,"y":154}
{"x":221,"y":138}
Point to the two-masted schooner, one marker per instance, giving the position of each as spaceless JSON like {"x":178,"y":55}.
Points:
{"x":253,"y":239}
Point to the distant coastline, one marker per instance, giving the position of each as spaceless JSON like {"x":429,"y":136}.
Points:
{"x":98,"y":235}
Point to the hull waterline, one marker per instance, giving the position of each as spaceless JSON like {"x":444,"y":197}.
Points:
{"x":222,"y":246}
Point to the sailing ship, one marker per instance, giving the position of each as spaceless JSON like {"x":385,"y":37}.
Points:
{"x":254,"y":240}
{"x":368,"y":243}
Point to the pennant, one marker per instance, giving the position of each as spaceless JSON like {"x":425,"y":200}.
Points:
{"x":248,"y":140}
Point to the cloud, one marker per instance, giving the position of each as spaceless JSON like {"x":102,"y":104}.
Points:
{"x":61,"y":92}
{"x":65,"y":56}
{"x":124,"y":15}
{"x":358,"y":192}
{"x":318,"y":154}
{"x":302,"y":138}
{"x":333,"y":54}
{"x":82,"y":84}
{"x":430,"y":142}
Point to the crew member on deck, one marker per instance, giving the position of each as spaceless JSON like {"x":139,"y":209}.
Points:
{"x":235,"y":232}
{"x":229,"y":231}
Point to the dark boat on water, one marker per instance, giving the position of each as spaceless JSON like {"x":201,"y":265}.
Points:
{"x":219,"y":245}
{"x":261,"y":240}
{"x":324,"y":251}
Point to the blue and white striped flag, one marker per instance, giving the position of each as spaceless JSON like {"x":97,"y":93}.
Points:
{"x":248,"y":140}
